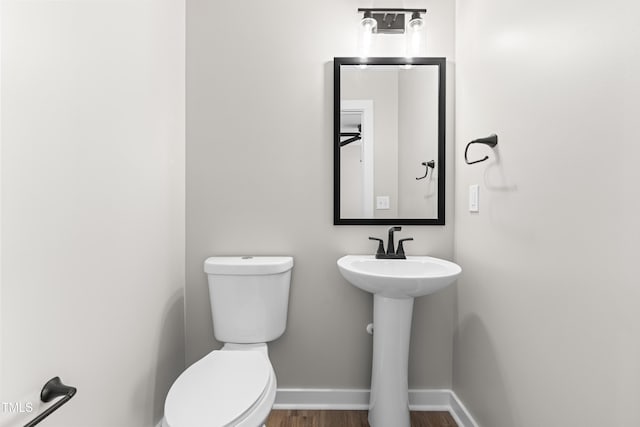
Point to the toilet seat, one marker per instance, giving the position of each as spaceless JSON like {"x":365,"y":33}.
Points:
{"x":218,"y":390}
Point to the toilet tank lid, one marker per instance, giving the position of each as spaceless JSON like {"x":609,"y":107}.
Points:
{"x":248,"y":265}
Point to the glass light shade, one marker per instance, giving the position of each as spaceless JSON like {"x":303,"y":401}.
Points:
{"x":414,"y":34}
{"x":368,"y":26}
{"x":415,"y":24}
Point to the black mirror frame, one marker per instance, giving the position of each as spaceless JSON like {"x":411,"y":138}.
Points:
{"x":441,"y":64}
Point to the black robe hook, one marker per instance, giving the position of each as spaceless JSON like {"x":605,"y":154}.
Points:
{"x":491,"y":141}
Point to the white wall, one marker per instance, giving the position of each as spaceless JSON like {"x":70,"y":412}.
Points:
{"x":260,"y":179}
{"x":548,"y":319}
{"x":92,"y":206}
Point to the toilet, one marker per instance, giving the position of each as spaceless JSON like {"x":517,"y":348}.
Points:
{"x":236,"y":385}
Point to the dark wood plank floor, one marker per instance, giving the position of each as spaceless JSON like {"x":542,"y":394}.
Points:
{"x":350,"y":419}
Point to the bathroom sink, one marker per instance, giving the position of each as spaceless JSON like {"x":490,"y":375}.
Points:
{"x":394,"y":284}
{"x":398,"y":278}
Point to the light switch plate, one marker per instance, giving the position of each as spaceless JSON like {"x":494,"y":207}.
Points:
{"x":382,"y":202}
{"x":474,"y":195}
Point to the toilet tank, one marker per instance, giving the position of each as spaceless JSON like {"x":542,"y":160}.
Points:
{"x":249,"y":297}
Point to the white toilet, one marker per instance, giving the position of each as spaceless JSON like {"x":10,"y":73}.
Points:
{"x":236,"y":385}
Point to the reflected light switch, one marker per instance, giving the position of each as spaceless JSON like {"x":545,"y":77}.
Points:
{"x":382,"y":202}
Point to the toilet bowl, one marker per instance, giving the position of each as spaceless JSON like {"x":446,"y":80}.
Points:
{"x":236,"y":385}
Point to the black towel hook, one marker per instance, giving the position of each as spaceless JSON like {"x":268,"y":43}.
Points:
{"x":430,"y":164}
{"x":491,"y":141}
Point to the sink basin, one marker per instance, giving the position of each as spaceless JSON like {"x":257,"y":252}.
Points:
{"x":398,"y":278}
{"x":394,"y":284}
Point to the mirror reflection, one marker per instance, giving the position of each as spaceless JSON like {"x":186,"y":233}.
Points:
{"x":389,"y":141}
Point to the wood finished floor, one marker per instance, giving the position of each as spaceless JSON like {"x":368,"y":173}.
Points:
{"x":298,"y":418}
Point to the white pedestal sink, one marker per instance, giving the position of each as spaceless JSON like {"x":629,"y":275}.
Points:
{"x":394,"y":284}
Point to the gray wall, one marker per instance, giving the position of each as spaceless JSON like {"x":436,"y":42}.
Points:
{"x":381,"y":87}
{"x":92,"y":199}
{"x":418,"y":141}
{"x":260,"y":177}
{"x":548,"y":319}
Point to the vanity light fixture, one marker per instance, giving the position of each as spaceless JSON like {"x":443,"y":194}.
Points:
{"x":391,"y":21}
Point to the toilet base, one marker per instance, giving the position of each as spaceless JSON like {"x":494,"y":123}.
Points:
{"x":258,"y":413}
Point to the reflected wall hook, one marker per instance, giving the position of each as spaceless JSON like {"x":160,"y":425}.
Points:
{"x":352,"y":136}
{"x":430,"y":164}
{"x":491,"y":141}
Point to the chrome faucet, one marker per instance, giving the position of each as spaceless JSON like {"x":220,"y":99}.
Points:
{"x":391,"y":253}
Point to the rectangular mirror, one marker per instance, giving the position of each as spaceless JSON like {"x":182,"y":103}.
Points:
{"x":389,"y":142}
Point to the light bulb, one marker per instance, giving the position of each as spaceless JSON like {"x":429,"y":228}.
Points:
{"x":368,"y":26}
{"x":415,"y":29}
{"x":416,"y":23}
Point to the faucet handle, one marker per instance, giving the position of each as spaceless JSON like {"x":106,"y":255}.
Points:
{"x":401,"y":247}
{"x":380,"y":245}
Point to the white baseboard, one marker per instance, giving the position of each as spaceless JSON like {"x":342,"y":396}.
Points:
{"x":309,"y":398}
{"x":356,"y":399}
{"x":460,"y":413}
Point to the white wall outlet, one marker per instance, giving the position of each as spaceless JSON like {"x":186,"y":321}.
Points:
{"x":474,"y":195}
{"x":382,"y":202}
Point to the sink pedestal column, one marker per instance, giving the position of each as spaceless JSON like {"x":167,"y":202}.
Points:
{"x":389,"y":400}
